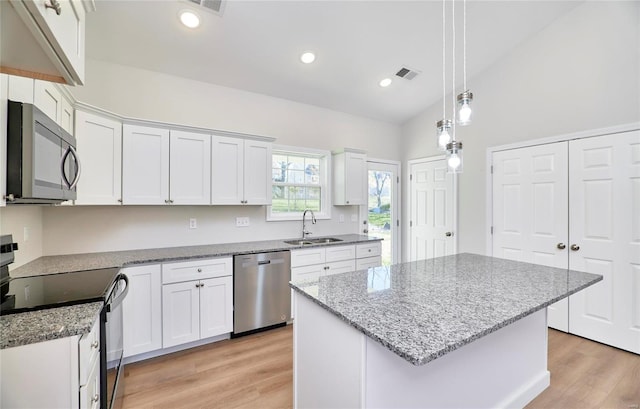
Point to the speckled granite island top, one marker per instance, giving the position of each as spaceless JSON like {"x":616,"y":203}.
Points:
{"x":426,"y":309}
{"x":92,"y":261}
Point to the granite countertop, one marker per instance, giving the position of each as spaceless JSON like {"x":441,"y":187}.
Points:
{"x":36,"y":326}
{"x":44,"y":325}
{"x":425,"y":309}
{"x":91,"y":261}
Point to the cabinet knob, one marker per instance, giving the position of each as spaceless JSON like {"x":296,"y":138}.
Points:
{"x":561,"y":246}
{"x":369,"y":250}
{"x":448,"y":234}
{"x":166,"y":201}
{"x":365,"y":231}
{"x":119,"y":200}
{"x":575,"y":247}
{"x":54,"y":4}
{"x":347,"y":202}
{"x":199,"y":270}
{"x":95,"y":344}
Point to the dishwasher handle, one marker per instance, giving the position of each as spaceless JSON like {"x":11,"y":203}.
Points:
{"x":262,"y":262}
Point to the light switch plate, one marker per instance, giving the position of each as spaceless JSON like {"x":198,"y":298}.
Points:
{"x":193,"y":223}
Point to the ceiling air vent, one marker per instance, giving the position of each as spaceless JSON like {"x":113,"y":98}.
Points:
{"x":215,"y":6}
{"x":407,"y":73}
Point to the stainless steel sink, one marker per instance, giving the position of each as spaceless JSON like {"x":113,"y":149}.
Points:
{"x":319,"y":240}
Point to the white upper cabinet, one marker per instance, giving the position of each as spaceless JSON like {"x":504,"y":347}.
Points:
{"x":99,"y":139}
{"x":145,"y":165}
{"x":47,"y":96}
{"x":190,"y":170}
{"x":52,"y":39}
{"x":240,"y":171}
{"x":350,"y":177}
{"x":165,"y":167}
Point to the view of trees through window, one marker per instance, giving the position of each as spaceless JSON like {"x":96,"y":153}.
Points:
{"x":296,"y":183}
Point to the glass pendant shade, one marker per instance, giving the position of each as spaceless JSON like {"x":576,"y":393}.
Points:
{"x":464,"y":108}
{"x":444,"y":134}
{"x":454,"y":157}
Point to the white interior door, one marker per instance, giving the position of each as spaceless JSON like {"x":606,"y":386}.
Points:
{"x":381,"y":217}
{"x":530,"y":211}
{"x":605,"y":237}
{"x":432,"y":210}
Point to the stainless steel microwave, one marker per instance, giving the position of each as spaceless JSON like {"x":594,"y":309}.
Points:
{"x":42,"y":162}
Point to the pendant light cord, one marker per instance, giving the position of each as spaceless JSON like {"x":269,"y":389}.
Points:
{"x":464,"y":43}
{"x":444,"y":59}
{"x":453,"y":70}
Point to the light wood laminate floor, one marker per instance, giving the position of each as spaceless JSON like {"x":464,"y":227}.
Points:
{"x":257,"y":372}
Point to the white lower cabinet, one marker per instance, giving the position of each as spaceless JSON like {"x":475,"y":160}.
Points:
{"x":199,"y":308}
{"x":61,"y":373}
{"x":142,"y":310}
{"x":310,"y":264}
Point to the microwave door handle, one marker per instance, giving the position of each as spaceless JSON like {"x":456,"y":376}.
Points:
{"x":62,"y":162}
{"x":78,"y":167}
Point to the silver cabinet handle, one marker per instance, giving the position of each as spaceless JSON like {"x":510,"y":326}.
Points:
{"x":199,"y":270}
{"x":561,"y":246}
{"x":95,"y":344}
{"x":448,"y":234}
{"x":54,"y":4}
{"x":365,"y":231}
{"x":575,"y":247}
{"x":166,"y":201}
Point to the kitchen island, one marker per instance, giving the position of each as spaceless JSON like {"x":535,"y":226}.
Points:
{"x":456,"y":331}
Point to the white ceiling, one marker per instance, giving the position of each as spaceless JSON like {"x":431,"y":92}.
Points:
{"x":255,"y":46}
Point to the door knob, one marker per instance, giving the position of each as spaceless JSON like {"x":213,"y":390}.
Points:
{"x":448,"y":234}
{"x":575,"y":247}
{"x":365,"y":231}
{"x":561,"y":246}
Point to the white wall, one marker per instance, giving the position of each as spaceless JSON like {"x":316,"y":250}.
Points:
{"x":137,"y":93}
{"x":14,"y":219}
{"x":582,"y":72}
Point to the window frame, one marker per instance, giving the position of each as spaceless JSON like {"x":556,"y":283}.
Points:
{"x":325,"y":182}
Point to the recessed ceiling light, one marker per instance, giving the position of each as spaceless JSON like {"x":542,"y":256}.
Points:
{"x":385,"y":82}
{"x":189,"y":18}
{"x":308,"y":57}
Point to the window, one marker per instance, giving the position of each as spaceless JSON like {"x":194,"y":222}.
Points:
{"x":299,"y":182}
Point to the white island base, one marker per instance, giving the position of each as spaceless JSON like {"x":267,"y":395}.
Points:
{"x":337,"y":366}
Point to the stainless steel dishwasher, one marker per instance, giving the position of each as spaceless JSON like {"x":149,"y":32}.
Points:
{"x":261,"y":293}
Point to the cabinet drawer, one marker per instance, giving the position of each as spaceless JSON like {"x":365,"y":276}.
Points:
{"x":89,"y":351}
{"x":339,"y":253}
{"x":307,"y":257}
{"x":368,"y":262}
{"x":307,"y":273}
{"x":368,"y":250}
{"x":196,"y":270}
{"x":90,"y":393}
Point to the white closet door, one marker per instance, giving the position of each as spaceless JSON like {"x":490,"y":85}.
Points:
{"x":431,"y":210}
{"x":530,"y":211}
{"x":605,"y":227}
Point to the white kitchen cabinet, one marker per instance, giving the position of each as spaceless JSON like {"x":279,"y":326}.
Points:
{"x":52,"y":42}
{"x":194,"y":309}
{"x":147,"y":176}
{"x":145,"y":165}
{"x":573,"y":204}
{"x":240,"y":171}
{"x":190,"y":170}
{"x":350,"y":177}
{"x":47,"y":96}
{"x":99,"y":143}
{"x":61,"y":373}
{"x":20,"y":89}
{"x":142,"y":310}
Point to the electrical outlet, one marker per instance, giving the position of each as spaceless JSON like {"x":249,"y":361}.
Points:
{"x":26,"y":234}
{"x":342,"y":218}
{"x":193,"y":223}
{"x":242,"y":221}
{"x":354,"y":218}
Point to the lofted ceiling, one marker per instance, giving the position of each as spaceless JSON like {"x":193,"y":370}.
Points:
{"x":256,"y":45}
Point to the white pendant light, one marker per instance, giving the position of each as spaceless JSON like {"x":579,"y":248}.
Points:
{"x":444,"y":135}
{"x":454,"y":157}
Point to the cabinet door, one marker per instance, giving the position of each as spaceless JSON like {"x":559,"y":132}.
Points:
{"x":66,"y":115}
{"x":338,"y":267}
{"x":180,"y":313}
{"x":368,"y":262}
{"x":257,"y":173}
{"x":48,"y":99}
{"x":142,"y":310}
{"x":216,"y":306}
{"x":100,"y":145}
{"x":20,"y":89}
{"x":604,"y":233}
{"x":339,"y":253}
{"x":356,"y":178}
{"x":304,"y":273}
{"x":227,"y":170}
{"x":145,"y":165}
{"x":190,"y":174}
{"x":308,"y":257}
{"x":530,"y":211}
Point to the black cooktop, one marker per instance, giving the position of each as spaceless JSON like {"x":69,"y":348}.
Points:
{"x":56,"y":290}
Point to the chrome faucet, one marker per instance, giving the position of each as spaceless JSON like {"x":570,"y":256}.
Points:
{"x":305,"y":233}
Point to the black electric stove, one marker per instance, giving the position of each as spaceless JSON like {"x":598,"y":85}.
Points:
{"x":56,"y":290}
